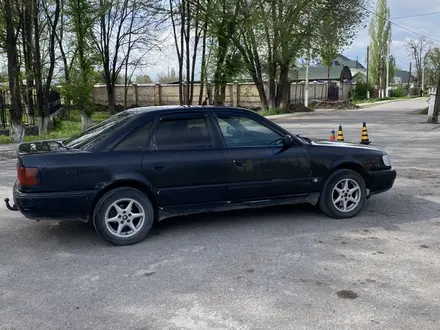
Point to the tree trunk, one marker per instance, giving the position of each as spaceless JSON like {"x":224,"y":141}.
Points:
{"x":283,"y":87}
{"x":28,"y":60}
{"x":37,"y":63}
{"x":203,"y":64}
{"x":43,"y":124}
{"x":17,"y":130}
{"x":111,"y":98}
{"x":86,"y":120}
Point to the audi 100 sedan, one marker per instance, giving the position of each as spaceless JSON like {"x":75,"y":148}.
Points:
{"x":147,"y":164}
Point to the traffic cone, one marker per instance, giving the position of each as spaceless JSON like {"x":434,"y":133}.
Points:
{"x":364,"y":136}
{"x":332,"y":135}
{"x":340,"y":134}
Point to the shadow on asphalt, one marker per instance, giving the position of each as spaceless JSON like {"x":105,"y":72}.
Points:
{"x":385,"y":212}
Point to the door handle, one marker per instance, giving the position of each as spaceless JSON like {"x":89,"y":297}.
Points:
{"x":158,"y":167}
{"x":239,"y":163}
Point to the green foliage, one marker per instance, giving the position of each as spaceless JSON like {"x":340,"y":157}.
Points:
{"x":380,"y":40}
{"x":168,"y":77}
{"x":143,"y":79}
{"x":5,"y":139}
{"x":336,"y":29}
{"x":360,"y":91}
{"x":398,"y":92}
{"x":393,"y":67}
{"x":82,"y":74}
{"x":63,"y":128}
{"x":432,"y":66}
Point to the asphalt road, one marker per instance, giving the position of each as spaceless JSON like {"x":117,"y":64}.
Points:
{"x":277,"y":268}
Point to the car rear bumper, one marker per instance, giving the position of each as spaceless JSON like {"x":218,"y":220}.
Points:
{"x":382,"y":181}
{"x":54,"y":206}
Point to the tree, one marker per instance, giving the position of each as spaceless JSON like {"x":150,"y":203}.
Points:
{"x":392,"y":68}
{"x":332,"y":35}
{"x":125,"y":26}
{"x":186,"y":16}
{"x":432,"y":70}
{"x":272,"y":35}
{"x":380,"y":40}
{"x":168,"y":77}
{"x":52,"y":15}
{"x":143,"y":79}
{"x":28,"y":55}
{"x":10,"y":17}
{"x":80,"y":85}
{"x":418,"y":49}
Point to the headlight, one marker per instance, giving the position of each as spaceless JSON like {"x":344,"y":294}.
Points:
{"x":386,"y":160}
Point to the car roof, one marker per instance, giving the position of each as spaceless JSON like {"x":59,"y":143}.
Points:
{"x":163,"y":108}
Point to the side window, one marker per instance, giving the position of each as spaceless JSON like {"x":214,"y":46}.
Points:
{"x":240,"y":131}
{"x":135,"y":141}
{"x":182,"y":133}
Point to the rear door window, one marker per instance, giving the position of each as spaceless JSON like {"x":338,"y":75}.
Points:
{"x":183,"y":133}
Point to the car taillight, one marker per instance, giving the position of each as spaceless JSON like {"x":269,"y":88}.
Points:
{"x":28,"y":176}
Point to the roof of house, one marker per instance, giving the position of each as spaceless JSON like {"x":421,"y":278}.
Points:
{"x":321,"y":73}
{"x":343,"y":60}
{"x":403,"y":76}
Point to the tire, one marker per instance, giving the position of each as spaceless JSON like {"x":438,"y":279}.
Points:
{"x":349,"y":205}
{"x":124,"y":228}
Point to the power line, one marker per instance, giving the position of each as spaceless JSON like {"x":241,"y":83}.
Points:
{"x":400,"y":26}
{"x":421,"y":35}
{"x":417,"y":15}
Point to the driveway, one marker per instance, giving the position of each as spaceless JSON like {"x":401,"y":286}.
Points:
{"x":276,"y":268}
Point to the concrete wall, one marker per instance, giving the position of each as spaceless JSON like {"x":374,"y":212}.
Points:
{"x":245,"y":94}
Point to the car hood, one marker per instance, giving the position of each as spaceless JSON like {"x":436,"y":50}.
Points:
{"x":44,"y":146}
{"x":337,"y":144}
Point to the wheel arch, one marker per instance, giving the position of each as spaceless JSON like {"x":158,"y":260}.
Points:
{"x":126,"y":183}
{"x":354,"y":166}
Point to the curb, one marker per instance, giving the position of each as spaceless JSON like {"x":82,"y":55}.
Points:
{"x":367,"y":105}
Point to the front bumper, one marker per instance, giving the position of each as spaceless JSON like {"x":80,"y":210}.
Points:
{"x":381,"y":181}
{"x":54,"y":205}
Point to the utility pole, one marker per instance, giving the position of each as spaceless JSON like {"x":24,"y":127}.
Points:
{"x":423,"y":77}
{"x":368,"y":65}
{"x":434,"y":104}
{"x":380,"y":78}
{"x":409,"y":77}
{"x":368,"y":60}
{"x":388,"y":72}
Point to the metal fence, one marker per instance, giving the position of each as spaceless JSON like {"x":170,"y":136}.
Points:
{"x":29,"y":114}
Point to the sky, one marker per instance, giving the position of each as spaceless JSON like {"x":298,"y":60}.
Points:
{"x":428,"y":26}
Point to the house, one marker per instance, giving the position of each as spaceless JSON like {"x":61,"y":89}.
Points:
{"x":343,"y":69}
{"x":401,"y":77}
{"x":320,"y":74}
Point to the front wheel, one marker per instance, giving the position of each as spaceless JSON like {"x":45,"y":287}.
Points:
{"x":123,"y":216}
{"x":344,"y":194}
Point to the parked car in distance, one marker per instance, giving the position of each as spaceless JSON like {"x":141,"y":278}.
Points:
{"x":147,"y":164}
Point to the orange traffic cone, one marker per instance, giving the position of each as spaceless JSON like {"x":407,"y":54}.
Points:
{"x":332,"y":135}
{"x":364,"y":136}
{"x":340,"y":134}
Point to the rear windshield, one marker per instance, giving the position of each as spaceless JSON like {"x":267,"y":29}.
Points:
{"x":91,"y":136}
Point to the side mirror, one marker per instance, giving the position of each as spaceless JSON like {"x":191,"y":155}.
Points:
{"x":287,"y":141}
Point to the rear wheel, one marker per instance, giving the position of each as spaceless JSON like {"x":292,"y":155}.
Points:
{"x":123,"y":216}
{"x":344,"y":194}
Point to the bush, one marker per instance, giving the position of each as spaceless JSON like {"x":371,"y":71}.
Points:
{"x":398,"y":92}
{"x":361,"y":90}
